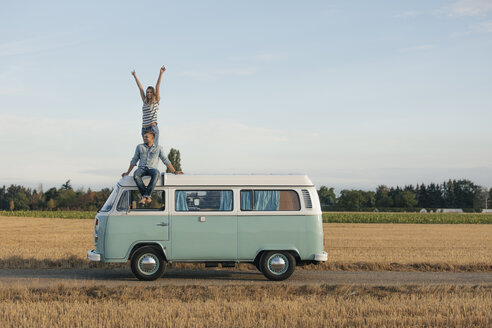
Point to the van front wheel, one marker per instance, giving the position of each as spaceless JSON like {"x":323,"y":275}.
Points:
{"x":147,"y":264}
{"x":277,"y":265}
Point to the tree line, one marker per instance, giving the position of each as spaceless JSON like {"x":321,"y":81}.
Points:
{"x":64,"y":198}
{"x":460,"y":194}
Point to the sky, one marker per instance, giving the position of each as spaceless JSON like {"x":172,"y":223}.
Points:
{"x":355,"y":94}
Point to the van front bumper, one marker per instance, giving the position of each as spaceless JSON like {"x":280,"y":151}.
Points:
{"x":93,"y":256}
{"x":322,"y":257}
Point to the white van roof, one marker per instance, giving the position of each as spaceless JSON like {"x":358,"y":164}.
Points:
{"x":299,"y":180}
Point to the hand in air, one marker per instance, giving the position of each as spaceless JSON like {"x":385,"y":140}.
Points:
{"x":133,"y":73}
{"x":163,"y":69}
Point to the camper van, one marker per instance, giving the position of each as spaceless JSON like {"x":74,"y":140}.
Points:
{"x":271,"y":221}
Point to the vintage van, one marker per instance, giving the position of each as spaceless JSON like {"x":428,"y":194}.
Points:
{"x":271,"y":221}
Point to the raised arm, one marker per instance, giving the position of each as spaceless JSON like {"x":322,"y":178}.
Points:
{"x":158,"y":85}
{"x":142,"y":94}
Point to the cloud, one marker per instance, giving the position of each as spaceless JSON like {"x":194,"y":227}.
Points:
{"x":470,"y":8}
{"x":268,"y":57}
{"x":216,"y":74}
{"x":409,"y":14}
{"x":421,"y":47}
{"x":483,"y":27}
{"x":260,"y":57}
{"x":35,"y":45}
{"x":11,"y":82}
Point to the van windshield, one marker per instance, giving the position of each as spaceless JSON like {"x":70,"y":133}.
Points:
{"x":109,"y":203}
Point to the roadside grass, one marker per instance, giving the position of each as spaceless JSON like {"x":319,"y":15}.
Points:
{"x":419,"y":218}
{"x":277,"y":305}
{"x":33,"y":243}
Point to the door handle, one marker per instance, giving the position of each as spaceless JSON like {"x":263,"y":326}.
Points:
{"x":163,"y":224}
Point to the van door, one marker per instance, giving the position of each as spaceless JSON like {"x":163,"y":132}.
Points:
{"x":203,"y":225}
{"x":133,"y":222}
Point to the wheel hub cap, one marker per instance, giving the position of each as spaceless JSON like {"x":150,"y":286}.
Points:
{"x":278,"y":264}
{"x":148,"y":264}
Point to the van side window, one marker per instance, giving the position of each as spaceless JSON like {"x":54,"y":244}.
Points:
{"x":270,"y":200}
{"x":158,"y":197}
{"x":203,"y":200}
{"x":123,"y":203}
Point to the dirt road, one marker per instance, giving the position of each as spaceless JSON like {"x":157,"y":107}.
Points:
{"x":90,"y":277}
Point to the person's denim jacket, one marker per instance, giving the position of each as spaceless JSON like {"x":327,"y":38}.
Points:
{"x":149,"y":156}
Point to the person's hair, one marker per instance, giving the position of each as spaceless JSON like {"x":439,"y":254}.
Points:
{"x":147,"y":100}
{"x":151,"y":132}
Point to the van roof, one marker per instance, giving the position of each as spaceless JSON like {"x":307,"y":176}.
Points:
{"x":225,"y":180}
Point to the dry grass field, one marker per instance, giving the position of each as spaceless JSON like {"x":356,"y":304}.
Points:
{"x":438,"y":246}
{"x":39,"y":243}
{"x":247,"y":306}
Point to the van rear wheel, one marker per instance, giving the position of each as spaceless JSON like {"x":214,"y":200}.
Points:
{"x":277,"y":265}
{"x":147,"y":264}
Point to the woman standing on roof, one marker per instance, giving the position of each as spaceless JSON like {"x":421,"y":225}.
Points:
{"x":150,"y":99}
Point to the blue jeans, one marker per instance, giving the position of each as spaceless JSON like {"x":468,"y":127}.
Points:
{"x":156,"y":132}
{"x":143,"y":171}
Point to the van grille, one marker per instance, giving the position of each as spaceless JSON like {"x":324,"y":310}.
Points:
{"x":307,"y":198}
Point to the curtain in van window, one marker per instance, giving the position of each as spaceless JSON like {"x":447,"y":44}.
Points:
{"x":181,"y":201}
{"x":246,"y":200}
{"x":267,"y":200}
{"x":225,"y":200}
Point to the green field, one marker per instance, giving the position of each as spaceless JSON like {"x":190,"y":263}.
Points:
{"x":328,"y":217}
{"x":51,"y":214}
{"x":422,"y":218}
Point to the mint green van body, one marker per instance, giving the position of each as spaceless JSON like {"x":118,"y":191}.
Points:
{"x":216,"y":219}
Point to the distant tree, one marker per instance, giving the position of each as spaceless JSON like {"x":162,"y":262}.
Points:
{"x":175,"y":157}
{"x":464,"y":191}
{"x":355,"y":200}
{"x":66,"y":186}
{"x":449,"y":195}
{"x":480,"y":198}
{"x":3,"y":198}
{"x":20,"y":196}
{"x":382,"y":197}
{"x":36,"y":201}
{"x":327,"y":196}
{"x":51,"y":204}
{"x":52,"y":193}
{"x":422,"y":196}
{"x":66,"y":199}
{"x":489,"y":200}
{"x":406,"y":199}
{"x":349,"y":200}
{"x":435,"y":196}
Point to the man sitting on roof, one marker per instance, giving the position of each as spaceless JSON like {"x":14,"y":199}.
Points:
{"x":148,"y":154}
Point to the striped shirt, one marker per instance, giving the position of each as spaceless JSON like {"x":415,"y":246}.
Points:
{"x":149,"y":113}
